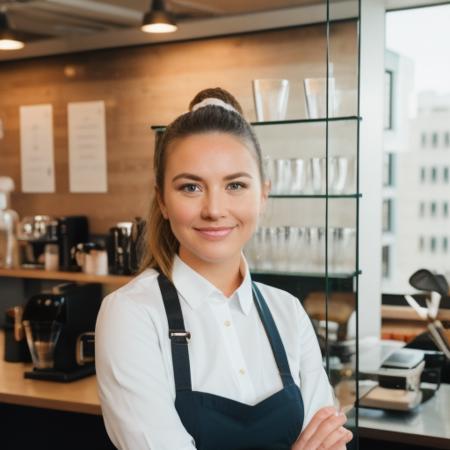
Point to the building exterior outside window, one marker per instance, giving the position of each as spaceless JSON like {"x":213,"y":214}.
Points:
{"x":434,"y":139}
{"x":423,"y":174}
{"x":433,"y":176}
{"x":422,"y":209}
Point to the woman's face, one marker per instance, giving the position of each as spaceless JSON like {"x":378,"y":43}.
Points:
{"x":213,"y":197}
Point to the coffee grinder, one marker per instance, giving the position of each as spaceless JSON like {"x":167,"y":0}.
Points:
{"x":55,"y":323}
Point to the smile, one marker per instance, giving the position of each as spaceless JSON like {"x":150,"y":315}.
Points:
{"x":214,"y":232}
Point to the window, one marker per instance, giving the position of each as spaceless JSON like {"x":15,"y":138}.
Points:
{"x":423,"y":174}
{"x":387,"y":215}
{"x":388,"y":78}
{"x":421,"y":243}
{"x":433,"y":208}
{"x":434,"y":139}
{"x":388,"y":169}
{"x":386,"y":261}
{"x":433,"y":244}
{"x":422,"y":209}
{"x":423,"y":139}
{"x":419,"y":217}
{"x":433,"y":174}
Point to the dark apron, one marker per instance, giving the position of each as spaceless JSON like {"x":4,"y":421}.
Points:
{"x":218,"y":423}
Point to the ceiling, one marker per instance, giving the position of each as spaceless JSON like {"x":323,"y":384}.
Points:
{"x":63,"y":26}
{"x":61,"y":18}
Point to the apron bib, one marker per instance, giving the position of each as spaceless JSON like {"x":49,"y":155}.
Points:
{"x":219,"y":423}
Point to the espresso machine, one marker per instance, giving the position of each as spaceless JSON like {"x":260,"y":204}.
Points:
{"x":36,"y":232}
{"x":59,"y":326}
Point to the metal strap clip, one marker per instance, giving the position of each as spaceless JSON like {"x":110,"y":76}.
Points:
{"x":179,"y":336}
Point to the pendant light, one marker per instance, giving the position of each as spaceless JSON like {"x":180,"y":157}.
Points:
{"x":8,"y":38}
{"x":158,"y":19}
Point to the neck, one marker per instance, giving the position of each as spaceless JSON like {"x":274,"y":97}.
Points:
{"x":225,"y":276}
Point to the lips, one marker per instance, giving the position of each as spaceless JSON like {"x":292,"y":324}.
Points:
{"x":214,"y":232}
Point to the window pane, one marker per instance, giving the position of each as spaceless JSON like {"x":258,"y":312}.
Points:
{"x":416,"y":210}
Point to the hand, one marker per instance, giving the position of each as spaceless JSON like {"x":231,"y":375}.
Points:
{"x":324,"y":432}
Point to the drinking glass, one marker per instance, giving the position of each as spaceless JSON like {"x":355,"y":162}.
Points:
{"x":340,"y":178}
{"x":316,"y":94}
{"x":271,"y":99}
{"x":281,"y":176}
{"x":297,"y":176}
{"x":318,"y":173}
{"x":296,"y":248}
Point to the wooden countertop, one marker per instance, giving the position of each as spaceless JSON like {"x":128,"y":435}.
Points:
{"x":40,"y":274}
{"x":78,"y":396}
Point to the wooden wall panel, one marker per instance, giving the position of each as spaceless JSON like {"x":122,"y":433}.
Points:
{"x":151,"y":85}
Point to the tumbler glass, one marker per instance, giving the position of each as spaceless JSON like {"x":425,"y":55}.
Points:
{"x":296,"y":249}
{"x":297,"y":176}
{"x":271,"y":99}
{"x":340,"y":164}
{"x":318,"y":173}
{"x":316,"y":95}
{"x":281,"y":176}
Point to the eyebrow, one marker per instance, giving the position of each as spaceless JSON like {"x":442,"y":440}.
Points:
{"x":191,"y":176}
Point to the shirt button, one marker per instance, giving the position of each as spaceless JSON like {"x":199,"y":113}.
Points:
{"x":242,"y":371}
{"x":227,"y":323}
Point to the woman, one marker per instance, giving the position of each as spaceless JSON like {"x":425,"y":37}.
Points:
{"x":191,"y":354}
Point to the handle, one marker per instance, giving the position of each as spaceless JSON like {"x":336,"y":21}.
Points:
{"x":85,"y":350}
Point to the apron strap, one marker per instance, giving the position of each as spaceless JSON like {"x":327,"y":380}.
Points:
{"x":274,"y":336}
{"x":177,"y":334}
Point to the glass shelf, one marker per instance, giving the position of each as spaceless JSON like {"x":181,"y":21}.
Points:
{"x":340,"y":275}
{"x":287,"y":122}
{"x":315,"y":196}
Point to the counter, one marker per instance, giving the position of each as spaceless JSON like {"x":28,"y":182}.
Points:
{"x":428,"y":426}
{"x":79,"y":396}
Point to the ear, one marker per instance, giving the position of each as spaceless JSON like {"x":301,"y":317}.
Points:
{"x":265,"y":194}
{"x":160,"y":200}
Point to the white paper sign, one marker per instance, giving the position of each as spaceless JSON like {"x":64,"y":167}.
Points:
{"x":36,"y":148}
{"x":87,"y":147}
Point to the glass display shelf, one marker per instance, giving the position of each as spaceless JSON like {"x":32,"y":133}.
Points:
{"x":315,"y":195}
{"x":340,"y":275}
{"x":288,"y":122}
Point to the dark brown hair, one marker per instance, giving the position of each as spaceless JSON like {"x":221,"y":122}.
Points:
{"x":160,"y":244}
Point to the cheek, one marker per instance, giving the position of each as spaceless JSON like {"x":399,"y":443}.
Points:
{"x":249,"y":212}
{"x":181,"y":212}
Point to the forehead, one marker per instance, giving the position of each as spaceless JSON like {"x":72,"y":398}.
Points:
{"x":210,"y":151}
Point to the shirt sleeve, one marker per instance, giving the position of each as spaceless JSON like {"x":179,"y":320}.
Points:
{"x":315,"y":386}
{"x":135,"y":394}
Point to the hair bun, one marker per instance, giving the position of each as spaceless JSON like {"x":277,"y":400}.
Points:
{"x":220,"y":94}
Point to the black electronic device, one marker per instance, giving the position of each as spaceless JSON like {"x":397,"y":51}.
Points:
{"x":54,"y":321}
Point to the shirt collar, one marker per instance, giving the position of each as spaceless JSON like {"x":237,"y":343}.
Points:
{"x":197,"y":290}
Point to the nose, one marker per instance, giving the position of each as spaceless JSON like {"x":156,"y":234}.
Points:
{"x":214,"y":205}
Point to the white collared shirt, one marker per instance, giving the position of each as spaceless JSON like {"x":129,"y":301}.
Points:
{"x":229,"y":353}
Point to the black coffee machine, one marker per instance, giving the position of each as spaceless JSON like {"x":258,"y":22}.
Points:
{"x":125,"y":246}
{"x":35,"y":232}
{"x":56,"y":324}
